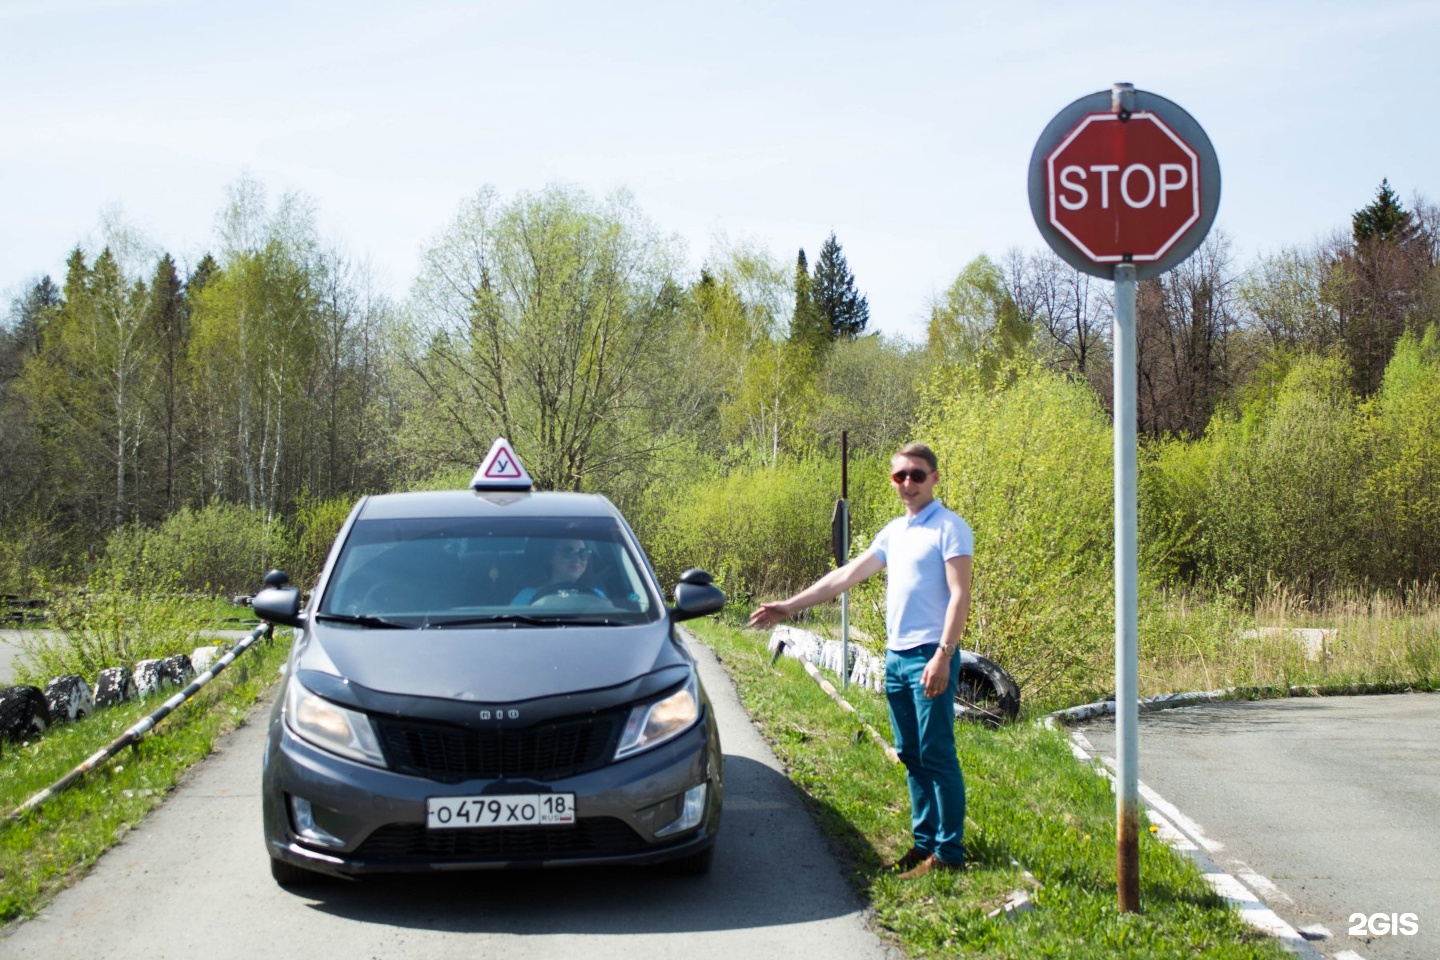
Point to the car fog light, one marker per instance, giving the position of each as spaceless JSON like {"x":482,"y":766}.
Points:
{"x":303,"y":816}
{"x":692,"y":809}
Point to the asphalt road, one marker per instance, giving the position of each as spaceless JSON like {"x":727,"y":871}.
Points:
{"x":193,"y":880}
{"x":1335,"y":801}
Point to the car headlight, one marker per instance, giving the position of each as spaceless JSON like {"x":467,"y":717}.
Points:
{"x":651,"y":724}
{"x":330,"y":726}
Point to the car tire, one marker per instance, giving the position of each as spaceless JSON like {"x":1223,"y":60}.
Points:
{"x":986,"y":694}
{"x":113,"y":686}
{"x":696,"y":864}
{"x":68,"y":698}
{"x":23,"y":714}
{"x":288,"y":875}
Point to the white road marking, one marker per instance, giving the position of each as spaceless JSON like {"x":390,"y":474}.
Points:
{"x":1185,"y":835}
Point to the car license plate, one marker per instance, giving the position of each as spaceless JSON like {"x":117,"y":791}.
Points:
{"x":515,"y":810}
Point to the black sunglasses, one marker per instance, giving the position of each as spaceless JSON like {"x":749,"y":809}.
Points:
{"x":574,"y":553}
{"x":915,"y":475}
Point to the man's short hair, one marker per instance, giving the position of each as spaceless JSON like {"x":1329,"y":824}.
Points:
{"x":921,"y":451}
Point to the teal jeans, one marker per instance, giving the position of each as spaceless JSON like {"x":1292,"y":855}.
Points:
{"x":925,"y":740}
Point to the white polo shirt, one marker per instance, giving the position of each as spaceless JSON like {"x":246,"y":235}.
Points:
{"x":914,"y":551}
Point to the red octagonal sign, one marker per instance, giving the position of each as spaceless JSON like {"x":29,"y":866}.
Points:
{"x":1123,"y":189}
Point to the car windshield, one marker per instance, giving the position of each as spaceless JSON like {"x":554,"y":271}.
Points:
{"x":478,"y":571}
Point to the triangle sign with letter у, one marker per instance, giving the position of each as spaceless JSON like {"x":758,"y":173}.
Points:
{"x":501,"y":470}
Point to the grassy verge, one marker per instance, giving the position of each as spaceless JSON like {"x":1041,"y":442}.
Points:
{"x":1029,"y":802}
{"x":47,"y":848}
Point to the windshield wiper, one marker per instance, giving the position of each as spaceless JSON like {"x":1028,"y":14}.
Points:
{"x":526,"y":619}
{"x":364,"y":620}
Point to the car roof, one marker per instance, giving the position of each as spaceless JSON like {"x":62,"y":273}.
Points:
{"x":471,"y":503}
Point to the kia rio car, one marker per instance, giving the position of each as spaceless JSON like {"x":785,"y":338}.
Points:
{"x":489,"y":678}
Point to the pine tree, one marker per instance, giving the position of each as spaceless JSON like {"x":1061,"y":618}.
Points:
{"x":1384,"y":219}
{"x":808,"y":327}
{"x":840,"y":305}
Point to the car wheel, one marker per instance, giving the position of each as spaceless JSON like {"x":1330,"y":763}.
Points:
{"x":986,"y":694}
{"x":695,"y":865}
{"x":288,"y":875}
{"x":23,"y":713}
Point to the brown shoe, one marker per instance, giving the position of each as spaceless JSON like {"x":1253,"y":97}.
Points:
{"x":931,"y":864}
{"x":912,"y":859}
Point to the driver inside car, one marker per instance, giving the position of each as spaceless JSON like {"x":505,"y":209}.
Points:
{"x":568,"y":562}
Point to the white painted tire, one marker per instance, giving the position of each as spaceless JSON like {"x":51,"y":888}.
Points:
{"x":114,"y":686}
{"x":69,"y":698}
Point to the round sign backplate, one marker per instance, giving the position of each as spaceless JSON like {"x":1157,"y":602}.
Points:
{"x":1140,"y":186}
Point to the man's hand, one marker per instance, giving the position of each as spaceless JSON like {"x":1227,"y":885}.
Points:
{"x":936,"y":676}
{"x":769,"y":614}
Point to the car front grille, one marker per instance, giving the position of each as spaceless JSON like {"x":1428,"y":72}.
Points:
{"x":547,"y":751}
{"x":597,"y":836}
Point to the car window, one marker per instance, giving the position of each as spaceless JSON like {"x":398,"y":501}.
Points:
{"x":434,"y":571}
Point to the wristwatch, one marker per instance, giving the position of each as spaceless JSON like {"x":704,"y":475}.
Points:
{"x":950,"y":651}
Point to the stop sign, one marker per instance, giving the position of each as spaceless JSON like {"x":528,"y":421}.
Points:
{"x":1113,"y":183}
{"x":1123,"y":187}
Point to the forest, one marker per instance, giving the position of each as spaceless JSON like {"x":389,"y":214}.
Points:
{"x":185,"y":427}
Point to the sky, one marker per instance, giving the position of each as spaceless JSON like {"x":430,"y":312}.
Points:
{"x":905,"y":128}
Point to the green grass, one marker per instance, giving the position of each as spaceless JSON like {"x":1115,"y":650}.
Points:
{"x":1029,"y":802}
{"x":52,"y":845}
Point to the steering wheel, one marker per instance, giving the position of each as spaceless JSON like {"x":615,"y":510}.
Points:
{"x":564,"y":586}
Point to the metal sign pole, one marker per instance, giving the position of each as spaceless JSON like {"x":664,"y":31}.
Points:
{"x":1127,"y":747}
{"x":1124,"y":185}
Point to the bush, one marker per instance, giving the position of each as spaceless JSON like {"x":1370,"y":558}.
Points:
{"x":762,"y":531}
{"x":113,"y":622}
{"x":1028,"y":465}
{"x":218,"y":549}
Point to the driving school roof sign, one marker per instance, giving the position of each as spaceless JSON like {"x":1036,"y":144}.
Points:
{"x":501,"y":470}
{"x":1124,"y":177}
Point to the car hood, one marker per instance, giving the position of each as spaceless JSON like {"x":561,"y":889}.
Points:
{"x":490,"y":666}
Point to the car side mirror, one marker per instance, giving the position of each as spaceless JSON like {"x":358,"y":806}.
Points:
{"x":279,"y":605}
{"x":696,"y":596}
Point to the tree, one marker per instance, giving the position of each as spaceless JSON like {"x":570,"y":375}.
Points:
{"x":548,"y":320}
{"x":1184,"y":323}
{"x":832,"y":289}
{"x":809,"y":328}
{"x":1381,"y":286}
{"x":976,"y":325}
{"x":1383,"y":219}
{"x":256,"y":343}
{"x":169,"y":319}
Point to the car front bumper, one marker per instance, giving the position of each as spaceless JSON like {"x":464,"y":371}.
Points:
{"x":373,"y":820}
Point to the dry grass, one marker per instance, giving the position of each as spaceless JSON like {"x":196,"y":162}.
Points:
{"x":1373,"y":640}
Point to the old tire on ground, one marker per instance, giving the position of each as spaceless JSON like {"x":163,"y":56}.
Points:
{"x":23,"y":713}
{"x":177,"y":669}
{"x":68,"y":698}
{"x":986,"y":694}
{"x":114,"y":686}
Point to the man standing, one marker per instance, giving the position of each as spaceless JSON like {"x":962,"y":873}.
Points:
{"x":927,"y":600}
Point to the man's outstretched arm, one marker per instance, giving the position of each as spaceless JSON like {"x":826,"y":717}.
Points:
{"x":828,"y":587}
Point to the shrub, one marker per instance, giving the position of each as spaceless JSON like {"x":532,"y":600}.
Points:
{"x":114,"y":621}
{"x":1028,"y":465}
{"x":762,"y":531}
{"x":218,"y":549}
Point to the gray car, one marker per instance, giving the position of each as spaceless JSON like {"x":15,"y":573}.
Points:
{"x":485,"y":679}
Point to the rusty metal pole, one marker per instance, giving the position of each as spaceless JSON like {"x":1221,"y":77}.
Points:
{"x":1127,"y":746}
